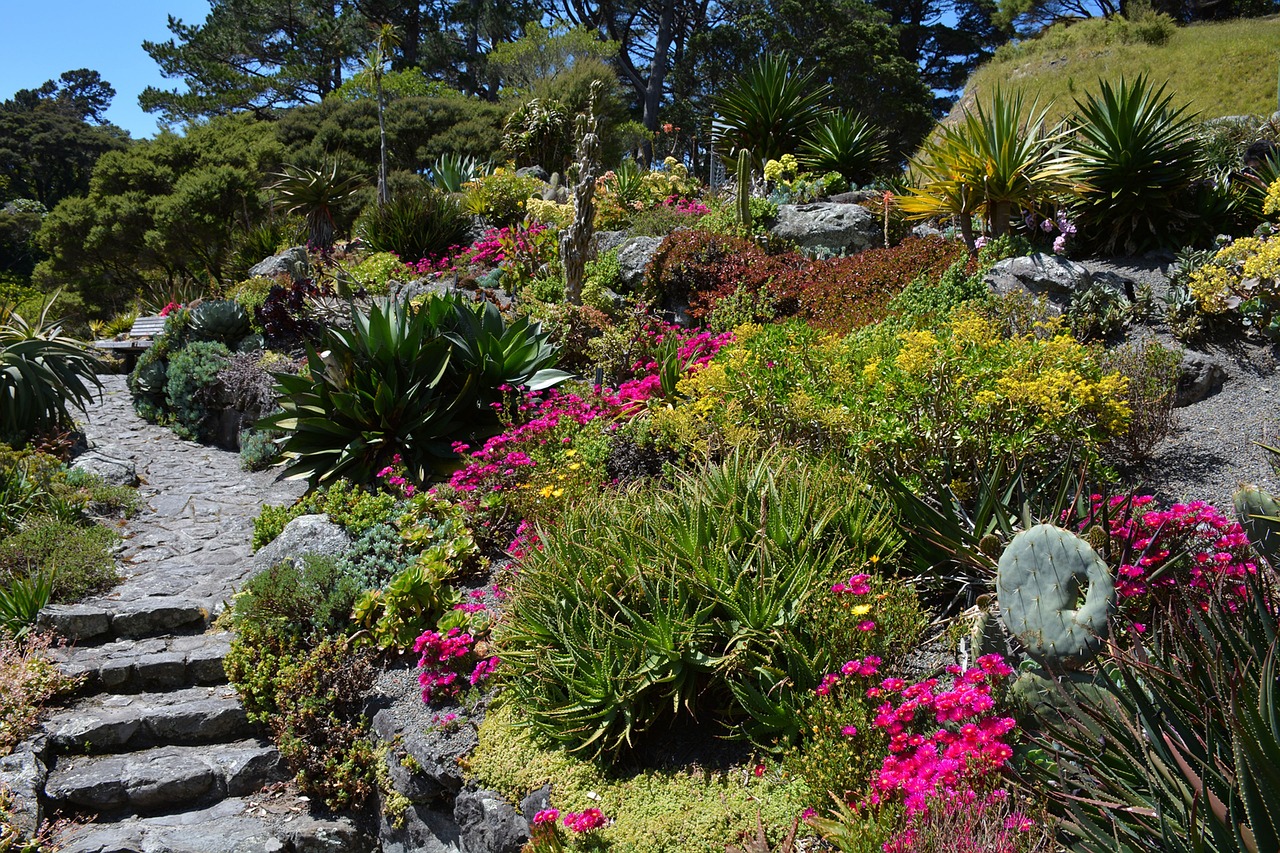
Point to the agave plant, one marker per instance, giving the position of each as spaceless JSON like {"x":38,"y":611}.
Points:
{"x":1135,"y":160}
{"x":414,"y":225}
{"x":498,"y":353}
{"x":313,"y":194}
{"x":845,"y":142}
{"x":22,"y":599}
{"x":402,"y":381}
{"x":992,"y":163}
{"x":451,"y":171}
{"x":1191,"y":725}
{"x":41,"y":373}
{"x":384,"y":387}
{"x":221,"y":320}
{"x":769,"y":110}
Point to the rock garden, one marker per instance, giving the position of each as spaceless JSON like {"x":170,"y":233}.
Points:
{"x":590,"y":505}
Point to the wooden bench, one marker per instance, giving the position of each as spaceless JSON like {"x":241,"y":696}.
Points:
{"x":141,"y":336}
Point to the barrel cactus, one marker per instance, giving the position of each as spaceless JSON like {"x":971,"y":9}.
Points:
{"x":1259,"y":514}
{"x":222,"y":320}
{"x":1042,"y":577}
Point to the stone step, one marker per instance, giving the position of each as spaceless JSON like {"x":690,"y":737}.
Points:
{"x":152,"y":664}
{"x":235,"y":825}
{"x":162,"y":779}
{"x":101,"y":620}
{"x":117,"y":723}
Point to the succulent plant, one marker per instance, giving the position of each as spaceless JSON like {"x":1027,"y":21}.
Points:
{"x":1041,"y":578}
{"x":1259,"y":514}
{"x":744,"y":188}
{"x":222,"y":320}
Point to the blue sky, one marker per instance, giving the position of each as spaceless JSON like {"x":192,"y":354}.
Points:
{"x":40,"y":40}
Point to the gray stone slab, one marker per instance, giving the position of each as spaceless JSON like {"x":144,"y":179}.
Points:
{"x":112,"y":723}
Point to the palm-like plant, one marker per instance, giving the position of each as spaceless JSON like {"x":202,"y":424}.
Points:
{"x":845,"y":142}
{"x":313,"y":194}
{"x":768,"y":110}
{"x":991,"y":163}
{"x":1135,"y":161}
{"x":41,"y":373}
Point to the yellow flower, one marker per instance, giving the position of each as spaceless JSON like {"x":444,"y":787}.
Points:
{"x":861,"y":609}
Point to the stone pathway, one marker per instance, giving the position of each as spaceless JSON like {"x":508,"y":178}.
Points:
{"x":157,"y":754}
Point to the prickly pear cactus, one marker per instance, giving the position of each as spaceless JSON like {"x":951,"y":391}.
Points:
{"x":1259,"y":514}
{"x":1042,"y":576}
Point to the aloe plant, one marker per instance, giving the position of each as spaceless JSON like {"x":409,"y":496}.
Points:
{"x":42,"y":373}
{"x":1191,"y":727}
{"x":414,"y":225}
{"x":405,"y":381}
{"x":381,"y":388}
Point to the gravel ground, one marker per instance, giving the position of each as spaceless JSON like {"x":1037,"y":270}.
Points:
{"x":1212,"y":450}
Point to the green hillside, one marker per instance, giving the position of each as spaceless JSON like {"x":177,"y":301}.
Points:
{"x":1227,"y":68}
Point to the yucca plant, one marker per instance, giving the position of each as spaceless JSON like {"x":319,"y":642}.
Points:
{"x":414,"y":225}
{"x":992,"y":163}
{"x":627,"y":183}
{"x":1134,"y":161}
{"x":845,"y":142}
{"x":768,"y":110}
{"x":42,"y":372}
{"x":384,"y":387}
{"x":313,"y":194}
{"x":451,"y":171}
{"x":1190,"y":725}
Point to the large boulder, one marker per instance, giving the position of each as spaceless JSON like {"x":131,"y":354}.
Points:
{"x":838,"y":229}
{"x":489,"y":824}
{"x":306,"y":534}
{"x":1200,"y":376}
{"x":23,"y":775}
{"x":117,"y":472}
{"x":634,"y":256}
{"x":1039,"y":275}
{"x":292,"y":262}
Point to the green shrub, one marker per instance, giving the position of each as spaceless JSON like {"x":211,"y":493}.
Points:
{"x":499,"y":197}
{"x":689,"y":810}
{"x":354,"y":507}
{"x":297,"y":600}
{"x":414,"y":225}
{"x":1152,"y":371}
{"x":191,"y":387}
{"x":934,"y":405}
{"x":251,"y":294}
{"x":375,"y":557}
{"x":258,"y":450}
{"x":647,"y":609}
{"x":28,"y":680}
{"x":79,"y":556}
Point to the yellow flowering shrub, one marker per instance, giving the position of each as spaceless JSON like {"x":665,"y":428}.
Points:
{"x":935,"y":404}
{"x":1244,"y":277}
{"x":549,"y":212}
{"x":1271,"y":204}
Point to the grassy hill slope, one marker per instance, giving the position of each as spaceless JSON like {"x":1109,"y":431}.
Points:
{"x":1227,"y":68}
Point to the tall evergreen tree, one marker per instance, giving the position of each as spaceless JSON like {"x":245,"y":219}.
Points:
{"x":257,"y":55}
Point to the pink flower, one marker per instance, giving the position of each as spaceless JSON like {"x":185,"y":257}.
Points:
{"x":546,"y":816}
{"x":585,"y":821}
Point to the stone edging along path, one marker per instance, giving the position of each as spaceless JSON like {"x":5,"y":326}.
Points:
{"x":156,"y":754}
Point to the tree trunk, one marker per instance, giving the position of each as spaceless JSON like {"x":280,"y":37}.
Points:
{"x":383,"y":194}
{"x":658,"y":72}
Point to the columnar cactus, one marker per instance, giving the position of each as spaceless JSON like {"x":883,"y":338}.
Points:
{"x":744,"y":188}
{"x":1259,"y":514}
{"x":1041,"y":579}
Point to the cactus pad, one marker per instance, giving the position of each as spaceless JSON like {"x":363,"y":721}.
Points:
{"x":1042,"y":577}
{"x":1259,"y":515}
